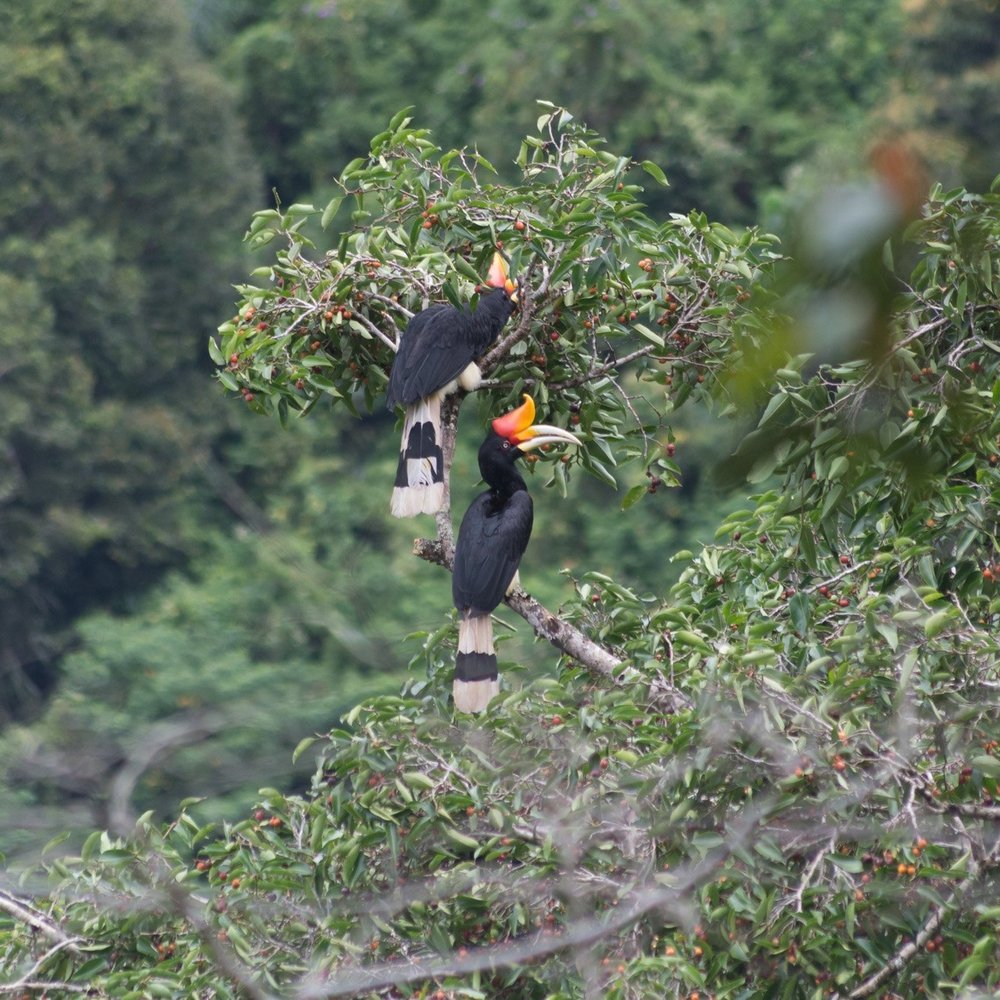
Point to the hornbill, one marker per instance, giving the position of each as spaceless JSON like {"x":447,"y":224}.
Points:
{"x":437,"y":354}
{"x":491,"y":540}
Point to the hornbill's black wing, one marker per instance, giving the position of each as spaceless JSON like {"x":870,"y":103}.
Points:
{"x":433,"y":350}
{"x":490,"y":544}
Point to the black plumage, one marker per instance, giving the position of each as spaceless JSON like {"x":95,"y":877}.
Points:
{"x":440,"y":342}
{"x":494,"y":532}
{"x":492,"y":539}
{"x":437,"y":353}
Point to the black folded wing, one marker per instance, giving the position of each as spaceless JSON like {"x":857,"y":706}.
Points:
{"x":433,"y":350}
{"x":491,"y":542}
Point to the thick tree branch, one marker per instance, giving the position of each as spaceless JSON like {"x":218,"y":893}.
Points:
{"x":159,"y":739}
{"x":38,"y":921}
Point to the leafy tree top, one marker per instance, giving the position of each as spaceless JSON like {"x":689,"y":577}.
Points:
{"x":779,"y":779}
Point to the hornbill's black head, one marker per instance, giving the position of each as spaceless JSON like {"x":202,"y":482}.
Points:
{"x":511,"y":436}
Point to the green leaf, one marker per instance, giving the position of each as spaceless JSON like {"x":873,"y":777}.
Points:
{"x":798,"y":611}
{"x":332,"y":207}
{"x":460,"y":838}
{"x":938,"y":622}
{"x":650,"y":335}
{"x":634,"y":495}
{"x":655,"y":172}
{"x":303,"y":745}
{"x":990,"y":766}
{"x":684,"y":637}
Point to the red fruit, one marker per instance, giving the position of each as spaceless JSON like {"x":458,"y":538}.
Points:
{"x":519,"y":226}
{"x":554,"y":336}
{"x":671,"y":449}
{"x":845,"y":560}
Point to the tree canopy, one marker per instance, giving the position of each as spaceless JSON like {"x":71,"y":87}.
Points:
{"x":725,"y":95}
{"x":123,"y":168}
{"x":776,"y":778}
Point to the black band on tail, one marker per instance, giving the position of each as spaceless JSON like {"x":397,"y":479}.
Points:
{"x":421,"y":444}
{"x":476,"y":667}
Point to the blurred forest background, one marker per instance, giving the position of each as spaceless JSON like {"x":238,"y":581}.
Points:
{"x":186,"y":589}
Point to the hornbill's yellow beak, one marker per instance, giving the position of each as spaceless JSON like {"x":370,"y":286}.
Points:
{"x":499,"y":278}
{"x":517,"y":427}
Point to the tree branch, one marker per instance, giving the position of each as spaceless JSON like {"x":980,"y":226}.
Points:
{"x":585,"y":932}
{"x":931,"y":925}
{"x":565,"y":637}
{"x":157,"y":740}
{"x":37,"y":920}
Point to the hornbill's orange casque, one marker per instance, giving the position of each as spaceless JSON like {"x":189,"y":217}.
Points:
{"x":437,"y":353}
{"x":491,"y":540}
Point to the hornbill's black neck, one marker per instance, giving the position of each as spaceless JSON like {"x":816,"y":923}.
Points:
{"x":489,"y":316}
{"x":496,"y":465}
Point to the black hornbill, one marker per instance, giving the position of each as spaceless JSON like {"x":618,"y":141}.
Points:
{"x":491,"y":541}
{"x":437,"y":354}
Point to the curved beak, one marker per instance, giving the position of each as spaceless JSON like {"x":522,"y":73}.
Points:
{"x":517,"y":427}
{"x":542,"y":434}
{"x":498,"y":276}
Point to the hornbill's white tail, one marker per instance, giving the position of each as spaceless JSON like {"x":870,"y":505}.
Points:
{"x":419,"y":487}
{"x":477,"y":679}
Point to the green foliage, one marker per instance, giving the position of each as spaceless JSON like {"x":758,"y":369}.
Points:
{"x":122,"y":171}
{"x":950,"y":90}
{"x":786,"y":788}
{"x":603,"y":286}
{"x":727,"y":95}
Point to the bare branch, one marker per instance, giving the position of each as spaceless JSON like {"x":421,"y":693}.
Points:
{"x":29,"y":977}
{"x":38,"y":921}
{"x":159,"y":739}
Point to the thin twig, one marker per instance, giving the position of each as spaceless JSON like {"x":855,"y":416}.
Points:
{"x":29,"y":976}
